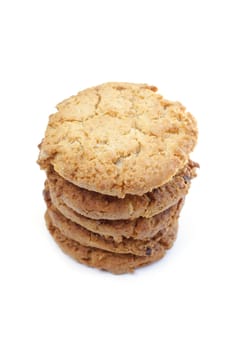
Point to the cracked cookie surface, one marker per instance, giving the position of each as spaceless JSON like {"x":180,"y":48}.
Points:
{"x":118,"y":139}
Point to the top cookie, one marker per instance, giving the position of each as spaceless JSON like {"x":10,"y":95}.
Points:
{"x":118,"y":139}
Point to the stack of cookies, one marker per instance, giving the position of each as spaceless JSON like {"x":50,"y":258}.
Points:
{"x":118,"y":169}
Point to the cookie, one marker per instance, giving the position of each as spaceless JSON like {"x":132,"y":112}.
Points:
{"x":97,"y":206}
{"x":140,"y":228}
{"x":118,"y":139}
{"x":94,"y":257}
{"x":90,"y":239}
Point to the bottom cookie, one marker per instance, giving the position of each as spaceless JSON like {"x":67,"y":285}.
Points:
{"x":112,"y":262}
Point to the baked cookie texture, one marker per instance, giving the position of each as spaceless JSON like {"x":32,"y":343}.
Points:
{"x":89,"y":238}
{"x":98,"y":206}
{"x":118,"y":168}
{"x":118,"y":139}
{"x":140,"y":228}
{"x":105,"y":260}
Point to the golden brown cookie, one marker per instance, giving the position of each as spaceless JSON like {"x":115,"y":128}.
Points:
{"x":97,"y":206}
{"x":90,"y":239}
{"x":140,"y":228}
{"x":115,"y":263}
{"x":118,"y":139}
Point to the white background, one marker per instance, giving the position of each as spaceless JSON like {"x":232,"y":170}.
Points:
{"x":52,"y":49}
